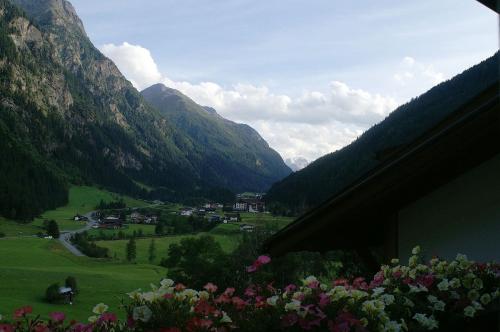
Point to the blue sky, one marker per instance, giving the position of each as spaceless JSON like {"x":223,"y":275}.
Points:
{"x":309,"y":75}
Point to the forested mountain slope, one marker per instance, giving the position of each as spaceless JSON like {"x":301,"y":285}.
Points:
{"x":331,"y":173}
{"x":231,"y":155}
{"x":67,"y":115}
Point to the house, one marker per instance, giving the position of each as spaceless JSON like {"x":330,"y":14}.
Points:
{"x":215,"y":218}
{"x":250,"y":202}
{"x":136,"y":217}
{"x":80,"y":218}
{"x":151,"y":219}
{"x":232,"y":217}
{"x":442,"y":192}
{"x":186,"y":212}
{"x":247,"y":228}
{"x":111,"y":222}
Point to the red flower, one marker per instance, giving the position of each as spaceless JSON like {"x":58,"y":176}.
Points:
{"x":57,"y":316}
{"x":41,"y":328}
{"x":204,"y":308}
{"x":6,"y":328}
{"x":21,"y":312}
{"x":180,"y":287}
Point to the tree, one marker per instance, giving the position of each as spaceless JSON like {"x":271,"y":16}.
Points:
{"x":131,"y":249}
{"x":195,"y":260}
{"x":152,"y":251}
{"x":53,"y":229}
{"x":70,"y":282}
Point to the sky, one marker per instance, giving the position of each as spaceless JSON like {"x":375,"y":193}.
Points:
{"x":309,"y":75}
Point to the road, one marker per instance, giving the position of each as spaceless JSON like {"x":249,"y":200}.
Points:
{"x":65,"y":236}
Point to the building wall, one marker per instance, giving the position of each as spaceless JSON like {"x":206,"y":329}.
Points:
{"x":462,"y":216}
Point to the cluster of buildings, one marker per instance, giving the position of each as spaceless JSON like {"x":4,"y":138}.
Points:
{"x":139,"y":218}
{"x":250,"y":202}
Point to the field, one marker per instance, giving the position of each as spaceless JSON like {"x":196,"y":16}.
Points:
{"x":127,"y":230}
{"x":228,"y":241}
{"x":30,"y":265}
{"x":81,"y":200}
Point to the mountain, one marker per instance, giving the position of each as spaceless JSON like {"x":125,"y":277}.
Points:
{"x":297,"y":163}
{"x":68,"y":116}
{"x":331,"y":173}
{"x":230,"y":154}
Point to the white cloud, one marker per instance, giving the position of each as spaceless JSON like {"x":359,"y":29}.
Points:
{"x":135,"y":62}
{"x":309,"y":125}
{"x":417,"y":74}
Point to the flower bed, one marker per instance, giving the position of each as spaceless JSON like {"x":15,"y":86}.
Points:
{"x":439,"y":295}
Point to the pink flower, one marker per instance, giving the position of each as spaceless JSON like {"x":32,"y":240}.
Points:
{"x":211,"y":288}
{"x":426,"y":280}
{"x":21,"y":312}
{"x":324,"y":300}
{"x":239,"y":303}
{"x":250,"y":291}
{"x":6,"y":328}
{"x":80,"y":327}
{"x":57,"y":316}
{"x":261,"y":260}
{"x":290,"y":288}
{"x":264,"y":259}
{"x":108,"y":317}
{"x":229,"y":291}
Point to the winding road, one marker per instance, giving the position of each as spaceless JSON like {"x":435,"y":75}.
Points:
{"x":65,"y":236}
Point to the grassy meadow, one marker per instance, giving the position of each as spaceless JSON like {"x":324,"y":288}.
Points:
{"x":228,"y":242}
{"x":30,"y":265}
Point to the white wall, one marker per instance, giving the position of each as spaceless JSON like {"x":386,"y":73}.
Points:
{"x":462,"y":216}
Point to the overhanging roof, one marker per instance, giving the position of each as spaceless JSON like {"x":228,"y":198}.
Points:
{"x":353,"y":218}
{"x":491,"y":4}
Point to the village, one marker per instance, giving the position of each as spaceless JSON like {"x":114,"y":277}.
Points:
{"x":213,"y":213}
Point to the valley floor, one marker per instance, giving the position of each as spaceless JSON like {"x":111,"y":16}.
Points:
{"x":28,"y":265}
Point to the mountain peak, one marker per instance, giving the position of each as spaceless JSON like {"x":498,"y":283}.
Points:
{"x":52,"y":13}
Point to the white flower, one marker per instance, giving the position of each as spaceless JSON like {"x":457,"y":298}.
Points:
{"x":417,"y":289}
{"x":377,"y":291}
{"x":142,"y":313}
{"x":485,"y":299}
{"x":272,"y":300}
{"x":395,"y":261}
{"x":373,"y":307}
{"x":439,"y":306}
{"x":477,"y":284}
{"x":392,"y":326}
{"x":93,"y":319}
{"x":416,"y":250}
{"x":151,"y":296}
{"x":413,"y":261}
{"x":167,"y":283}
{"x":225,"y":318}
{"x":135,"y":295}
{"x":432,"y":299}
{"x":469,"y":311}
{"x":443,"y":285}
{"x":293,"y":306}
{"x":388,"y":299}
{"x":204,"y":295}
{"x":428,"y":323}
{"x":409,"y":303}
{"x":455,"y":283}
{"x":100,"y":309}
{"x":473,"y":295}
{"x":310,"y":280}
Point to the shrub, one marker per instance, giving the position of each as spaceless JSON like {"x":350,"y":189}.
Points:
{"x":52,"y":294}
